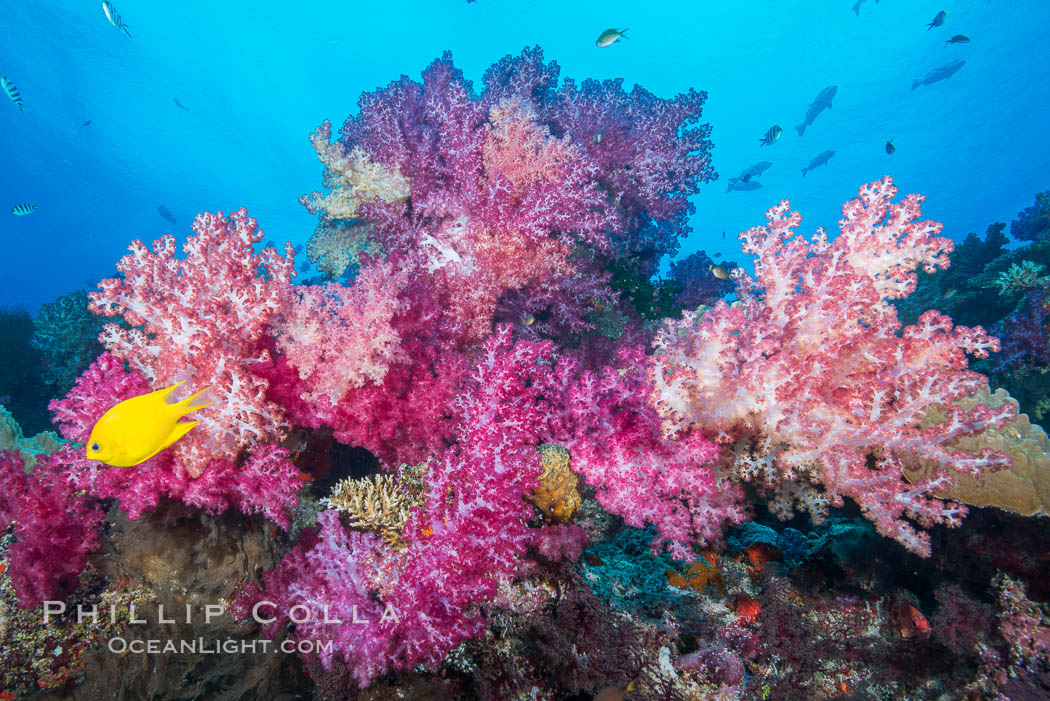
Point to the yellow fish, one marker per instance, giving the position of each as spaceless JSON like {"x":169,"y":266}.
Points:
{"x":135,"y":430}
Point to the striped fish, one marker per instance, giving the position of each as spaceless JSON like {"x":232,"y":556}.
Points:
{"x":114,"y":17}
{"x":12,"y":92}
{"x":20,"y":210}
{"x":772,"y":136}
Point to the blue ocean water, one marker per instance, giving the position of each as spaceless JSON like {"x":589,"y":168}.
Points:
{"x":256,"y":77}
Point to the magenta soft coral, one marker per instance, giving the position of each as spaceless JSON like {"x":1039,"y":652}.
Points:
{"x":400,"y":409}
{"x":264,"y":482}
{"x":55,"y":528}
{"x":470,"y":536}
{"x":813,"y":364}
{"x":203,"y":319}
{"x":617,"y":444}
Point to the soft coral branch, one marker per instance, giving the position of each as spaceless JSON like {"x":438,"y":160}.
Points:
{"x":815,"y":366}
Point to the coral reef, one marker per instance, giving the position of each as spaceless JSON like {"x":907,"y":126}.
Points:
{"x":491,"y":457}
{"x":558,"y":494}
{"x":336,"y":246}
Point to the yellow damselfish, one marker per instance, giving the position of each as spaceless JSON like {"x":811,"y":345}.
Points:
{"x":135,"y":430}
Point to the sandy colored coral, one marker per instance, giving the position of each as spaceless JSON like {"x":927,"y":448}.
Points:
{"x":337,"y":245}
{"x":1024,"y":488}
{"x":12,"y":439}
{"x":558,"y":495}
{"x":353,"y":177}
{"x":377,"y":503}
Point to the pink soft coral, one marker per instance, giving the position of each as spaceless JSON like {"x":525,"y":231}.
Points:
{"x":264,"y":482}
{"x":202,"y":319}
{"x":469,"y":538}
{"x":814,"y":366}
{"x":616,"y":442}
{"x":338,"y":338}
{"x":55,"y":528}
{"x":401,"y":411}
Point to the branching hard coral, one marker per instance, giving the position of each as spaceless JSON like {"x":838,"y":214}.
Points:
{"x":353,"y":178}
{"x":815,"y":366}
{"x":336,"y":246}
{"x":1021,"y":277}
{"x":377,"y":503}
{"x":1024,"y":487}
{"x":202,"y":319}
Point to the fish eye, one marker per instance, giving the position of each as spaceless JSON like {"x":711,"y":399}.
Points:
{"x":94,"y":447}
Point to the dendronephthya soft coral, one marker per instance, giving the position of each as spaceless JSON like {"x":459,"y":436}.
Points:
{"x":814,"y":368}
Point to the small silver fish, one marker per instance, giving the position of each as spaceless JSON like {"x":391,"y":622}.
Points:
{"x":719,"y":271}
{"x":958,"y":39}
{"x":166,"y":214}
{"x":772,"y":136}
{"x":938,"y":20}
{"x":610,"y":37}
{"x":12,"y":92}
{"x":114,"y":17}
{"x":86,"y":124}
{"x":22,"y":209}
{"x":180,"y":105}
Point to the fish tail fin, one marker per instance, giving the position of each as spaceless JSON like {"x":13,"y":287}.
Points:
{"x":856,"y":8}
{"x":804,"y":171}
{"x":623,"y":34}
{"x":916,"y":83}
{"x":194,"y":402}
{"x":180,"y":430}
{"x":166,"y":392}
{"x":801,"y":129}
{"x":761,"y":142}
